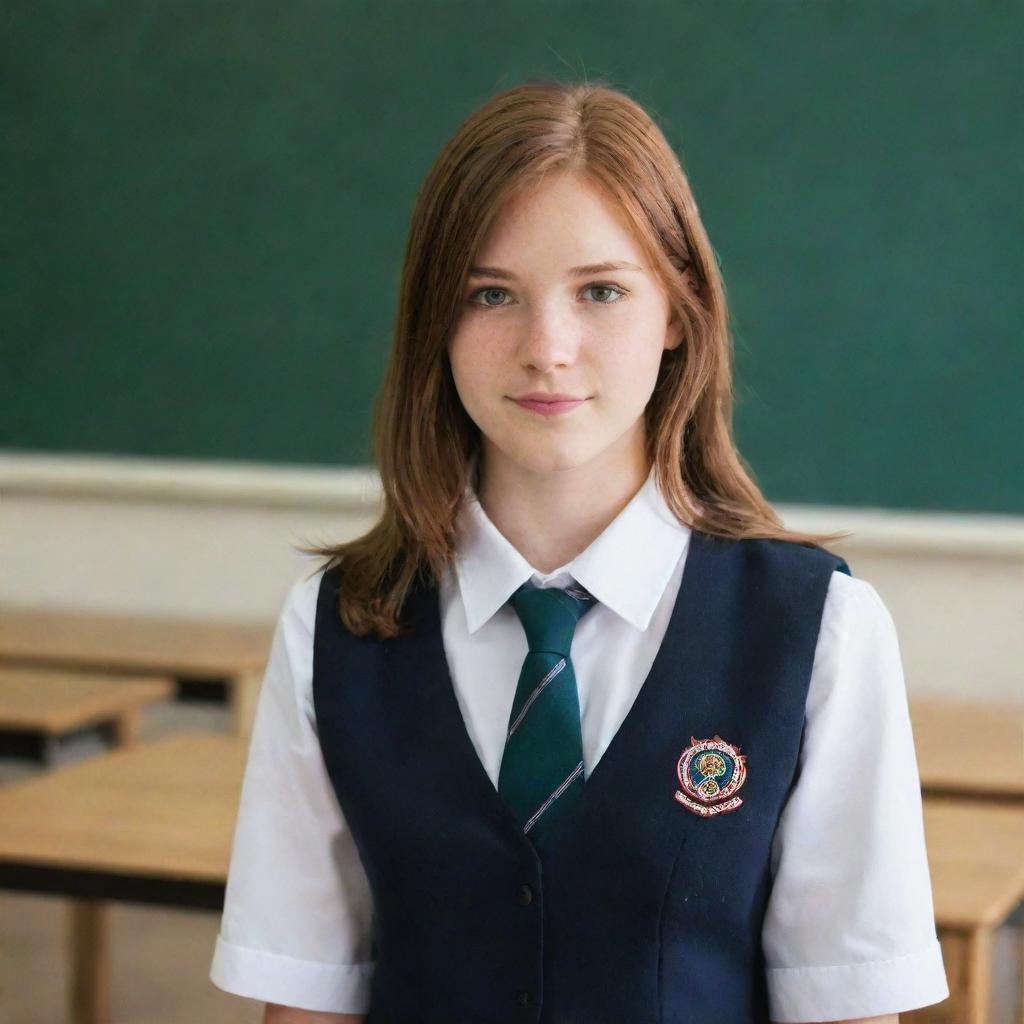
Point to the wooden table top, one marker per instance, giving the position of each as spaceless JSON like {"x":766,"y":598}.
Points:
{"x":162,"y":809}
{"x":56,"y":701}
{"x":969,"y":748}
{"x":976,"y":860}
{"x":166,"y":809}
{"x":177,"y":647}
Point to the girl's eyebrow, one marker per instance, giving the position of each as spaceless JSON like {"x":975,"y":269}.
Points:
{"x":589,"y":268}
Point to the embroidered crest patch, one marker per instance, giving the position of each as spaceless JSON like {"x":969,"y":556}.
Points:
{"x":710,"y":772}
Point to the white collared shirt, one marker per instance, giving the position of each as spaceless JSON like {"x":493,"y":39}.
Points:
{"x":849,"y":928}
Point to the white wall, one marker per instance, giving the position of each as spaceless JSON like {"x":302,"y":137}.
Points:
{"x":207,"y":539}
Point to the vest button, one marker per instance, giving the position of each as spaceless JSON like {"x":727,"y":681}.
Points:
{"x":525,"y":895}
{"x":524,"y":999}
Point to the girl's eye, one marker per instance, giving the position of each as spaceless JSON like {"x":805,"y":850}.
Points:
{"x":487,"y":291}
{"x":602,"y":288}
{"x":607,"y":288}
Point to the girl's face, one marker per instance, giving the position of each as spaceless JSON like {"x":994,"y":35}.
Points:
{"x":539,"y":315}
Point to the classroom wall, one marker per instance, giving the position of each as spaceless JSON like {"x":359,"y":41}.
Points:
{"x":180,"y":538}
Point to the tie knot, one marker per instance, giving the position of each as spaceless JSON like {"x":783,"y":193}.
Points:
{"x":549,"y":615}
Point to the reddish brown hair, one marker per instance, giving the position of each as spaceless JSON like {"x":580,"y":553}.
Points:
{"x":423,"y":440}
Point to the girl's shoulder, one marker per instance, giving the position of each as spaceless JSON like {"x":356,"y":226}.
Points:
{"x":852,"y":603}
{"x":298,"y":610}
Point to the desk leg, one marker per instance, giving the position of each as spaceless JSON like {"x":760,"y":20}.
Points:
{"x":969,"y":970}
{"x":1020,"y":972}
{"x":967,"y":958}
{"x":89,"y":935}
{"x":979,"y":967}
{"x":243,"y":692}
{"x":126,"y":728}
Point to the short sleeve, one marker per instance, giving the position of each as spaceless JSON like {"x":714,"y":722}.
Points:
{"x":849,"y":929}
{"x":296,"y":927}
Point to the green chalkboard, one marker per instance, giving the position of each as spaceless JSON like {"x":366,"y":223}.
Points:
{"x":203,"y":210}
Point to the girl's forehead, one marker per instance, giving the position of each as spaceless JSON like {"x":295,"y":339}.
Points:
{"x":571,"y":242}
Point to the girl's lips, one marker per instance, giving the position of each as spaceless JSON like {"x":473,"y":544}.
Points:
{"x":549,"y":408}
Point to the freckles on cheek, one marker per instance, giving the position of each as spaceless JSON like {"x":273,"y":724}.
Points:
{"x":473,"y":379}
{"x":481,"y":355}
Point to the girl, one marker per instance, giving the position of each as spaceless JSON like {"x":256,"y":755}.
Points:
{"x":578,"y":732}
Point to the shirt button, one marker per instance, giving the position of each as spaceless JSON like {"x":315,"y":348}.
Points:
{"x":524,"y":999}
{"x":525,"y":895}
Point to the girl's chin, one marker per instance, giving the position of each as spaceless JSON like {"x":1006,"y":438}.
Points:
{"x":546,"y":460}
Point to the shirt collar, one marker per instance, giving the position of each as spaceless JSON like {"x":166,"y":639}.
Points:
{"x":627,"y":567}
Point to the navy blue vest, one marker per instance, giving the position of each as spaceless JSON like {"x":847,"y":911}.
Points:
{"x":634,"y":909}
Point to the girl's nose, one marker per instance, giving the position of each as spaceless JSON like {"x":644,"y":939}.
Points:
{"x":549,"y":340}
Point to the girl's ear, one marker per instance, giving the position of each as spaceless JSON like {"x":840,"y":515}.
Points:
{"x":675,"y":332}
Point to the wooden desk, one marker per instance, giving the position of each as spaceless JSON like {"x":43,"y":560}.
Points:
{"x":184,"y":649}
{"x":152,"y":823}
{"x":47,"y":704}
{"x":969,"y":749}
{"x":976,"y":860}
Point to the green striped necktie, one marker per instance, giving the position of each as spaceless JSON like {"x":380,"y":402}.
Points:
{"x":542,"y":766}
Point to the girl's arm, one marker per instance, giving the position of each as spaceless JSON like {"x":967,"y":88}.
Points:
{"x":298,"y":911}
{"x":275,"y":1014}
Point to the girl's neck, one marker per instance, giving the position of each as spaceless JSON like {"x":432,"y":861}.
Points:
{"x":551,"y":517}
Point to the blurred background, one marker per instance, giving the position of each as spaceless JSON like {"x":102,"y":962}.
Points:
{"x":203,"y":210}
